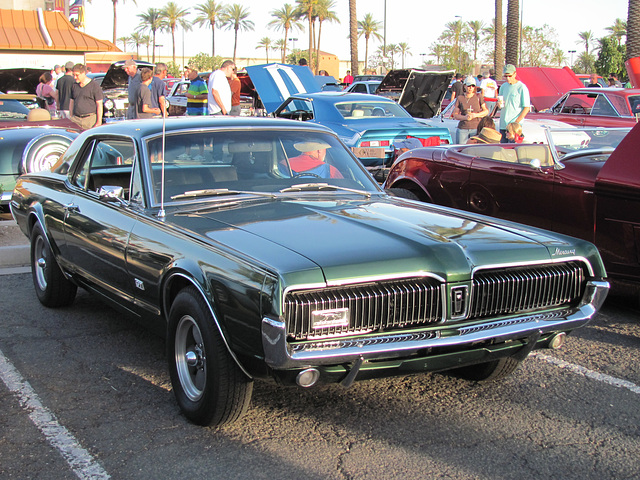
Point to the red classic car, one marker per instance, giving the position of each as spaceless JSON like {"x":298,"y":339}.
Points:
{"x":595,"y":107}
{"x":577,"y":185}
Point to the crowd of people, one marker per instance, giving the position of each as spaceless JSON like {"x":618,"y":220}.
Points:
{"x":75,"y":96}
{"x":475,"y":125}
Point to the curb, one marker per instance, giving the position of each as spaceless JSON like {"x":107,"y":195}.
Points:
{"x":14,"y":256}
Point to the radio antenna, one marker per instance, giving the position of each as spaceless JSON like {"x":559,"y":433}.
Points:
{"x":162,"y":213}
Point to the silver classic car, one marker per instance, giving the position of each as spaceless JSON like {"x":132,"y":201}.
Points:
{"x":262,"y":249}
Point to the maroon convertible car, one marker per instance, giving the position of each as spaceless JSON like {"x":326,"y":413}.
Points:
{"x":584,"y":183}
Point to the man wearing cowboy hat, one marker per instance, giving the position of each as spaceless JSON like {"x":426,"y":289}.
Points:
{"x":486,"y":135}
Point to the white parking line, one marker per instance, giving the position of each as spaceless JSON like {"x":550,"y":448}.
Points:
{"x":601,"y":377}
{"x":80,"y":461}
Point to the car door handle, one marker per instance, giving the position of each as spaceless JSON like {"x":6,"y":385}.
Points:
{"x":71,"y":207}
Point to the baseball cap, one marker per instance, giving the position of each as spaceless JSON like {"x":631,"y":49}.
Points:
{"x":509,"y":69}
{"x":470,"y":81}
{"x":69,"y":65}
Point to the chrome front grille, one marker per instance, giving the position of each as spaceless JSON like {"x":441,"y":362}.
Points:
{"x":395,"y":305}
{"x":376,"y":306}
{"x":520,"y":289}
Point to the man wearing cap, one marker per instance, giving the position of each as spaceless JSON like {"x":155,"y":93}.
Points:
{"x":516,"y":100}
{"x":311,"y":161}
{"x":131,"y":67}
{"x":469,"y":109}
{"x":64,"y":90}
{"x":488,"y":86}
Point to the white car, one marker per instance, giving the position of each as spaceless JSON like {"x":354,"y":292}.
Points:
{"x":533,"y":130}
{"x":365,"y":86}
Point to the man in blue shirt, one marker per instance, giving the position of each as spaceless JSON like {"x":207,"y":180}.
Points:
{"x":516,"y":100}
{"x":131,"y":67}
{"x":159,"y":88}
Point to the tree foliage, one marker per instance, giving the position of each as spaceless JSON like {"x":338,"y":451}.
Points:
{"x":611,"y":58}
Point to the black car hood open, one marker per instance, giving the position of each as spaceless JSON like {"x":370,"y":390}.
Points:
{"x":420,"y":92}
{"x":20,"y":79}
{"x":116,"y":77}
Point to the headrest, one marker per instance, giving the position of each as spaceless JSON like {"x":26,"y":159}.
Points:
{"x":246,"y":147}
{"x":38,"y":115}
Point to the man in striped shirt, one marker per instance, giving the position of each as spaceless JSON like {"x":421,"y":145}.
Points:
{"x":197,"y":94}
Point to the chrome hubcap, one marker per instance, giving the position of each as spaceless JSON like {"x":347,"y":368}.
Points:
{"x":190,"y":358}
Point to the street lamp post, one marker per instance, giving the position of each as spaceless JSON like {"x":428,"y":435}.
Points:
{"x":158,"y":47}
{"x":293,"y":43}
{"x":572,"y":52}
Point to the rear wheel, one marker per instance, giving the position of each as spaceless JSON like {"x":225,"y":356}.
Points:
{"x":489,"y":371}
{"x":208,"y":384}
{"x":52,"y":287}
{"x":481,"y":202}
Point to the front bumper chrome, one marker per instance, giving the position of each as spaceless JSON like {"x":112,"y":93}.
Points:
{"x":280,"y":354}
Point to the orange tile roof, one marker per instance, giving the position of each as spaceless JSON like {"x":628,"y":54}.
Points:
{"x":20,"y":31}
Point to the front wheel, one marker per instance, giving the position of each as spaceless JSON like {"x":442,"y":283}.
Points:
{"x":52,"y":287}
{"x":209,"y":386}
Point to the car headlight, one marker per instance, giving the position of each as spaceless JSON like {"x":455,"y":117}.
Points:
{"x":108,"y":104}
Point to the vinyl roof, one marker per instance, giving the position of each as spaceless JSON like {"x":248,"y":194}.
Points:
{"x":21,"y":30}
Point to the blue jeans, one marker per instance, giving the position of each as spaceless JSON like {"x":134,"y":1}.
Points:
{"x":463,"y":134}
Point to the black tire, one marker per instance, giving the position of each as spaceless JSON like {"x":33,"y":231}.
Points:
{"x":208,"y":384}
{"x":52,"y":287}
{"x":489,"y":371}
{"x":481,"y":202}
{"x":402,"y":193}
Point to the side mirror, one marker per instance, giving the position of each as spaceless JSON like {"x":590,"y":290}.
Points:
{"x":535,"y":163}
{"x":112,"y":194}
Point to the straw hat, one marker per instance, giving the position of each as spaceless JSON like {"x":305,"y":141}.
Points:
{"x":488,"y":135}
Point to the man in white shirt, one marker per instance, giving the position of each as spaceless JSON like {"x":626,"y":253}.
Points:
{"x":219,"y":90}
{"x":488,"y":86}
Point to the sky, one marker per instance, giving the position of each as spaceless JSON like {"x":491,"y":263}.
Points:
{"x":416,"y":22}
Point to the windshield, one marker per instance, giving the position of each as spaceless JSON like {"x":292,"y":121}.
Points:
{"x":362,"y":110}
{"x":568,"y":140}
{"x":12,"y":110}
{"x":218,"y":164}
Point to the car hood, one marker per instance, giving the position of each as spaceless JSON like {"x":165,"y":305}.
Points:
{"x":275,"y":82}
{"x":20,"y":79}
{"x":621,"y":171}
{"x":419,"y":92}
{"x":546,"y":84}
{"x":116,"y":77}
{"x":340,"y":239}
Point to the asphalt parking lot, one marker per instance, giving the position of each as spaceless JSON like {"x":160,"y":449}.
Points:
{"x":85,"y":394}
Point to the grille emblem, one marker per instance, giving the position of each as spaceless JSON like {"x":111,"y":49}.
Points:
{"x":458,"y":301}
{"x":336,"y":317}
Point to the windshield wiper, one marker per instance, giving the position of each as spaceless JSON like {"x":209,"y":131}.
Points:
{"x":217,"y":192}
{"x":316,"y":187}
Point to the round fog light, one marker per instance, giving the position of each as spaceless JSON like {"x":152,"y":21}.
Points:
{"x":308,"y":378}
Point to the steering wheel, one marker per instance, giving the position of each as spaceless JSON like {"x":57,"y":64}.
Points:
{"x":576,"y":109}
{"x":300,"y":113}
{"x":306,"y":174}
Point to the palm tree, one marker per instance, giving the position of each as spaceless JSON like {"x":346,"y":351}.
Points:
{"x":476,"y":27}
{"x":368,"y":27}
{"x":125,"y":41}
{"x":280,"y":45}
{"x":307,"y":8}
{"x":135,"y":40}
{"x":172,"y":17}
{"x":235,"y":18}
{"x":586,"y":38}
{"x":285,"y":19}
{"x":324,"y":12}
{"x":618,"y":29}
{"x":453,"y":33}
{"x":498,"y":53}
{"x":115,"y":3}
{"x":558,"y":57}
{"x":513,"y":31}
{"x":151,"y":21}
{"x":585,"y":63}
{"x":209,"y":14}
{"x":403,"y":49}
{"x":633,"y":30}
{"x":437,"y":50}
{"x":266,"y":43}
{"x":353,"y":37}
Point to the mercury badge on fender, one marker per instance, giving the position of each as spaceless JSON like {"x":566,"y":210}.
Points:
{"x":264,"y":250}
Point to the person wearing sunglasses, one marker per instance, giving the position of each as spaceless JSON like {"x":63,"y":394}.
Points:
{"x":515,"y":98}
